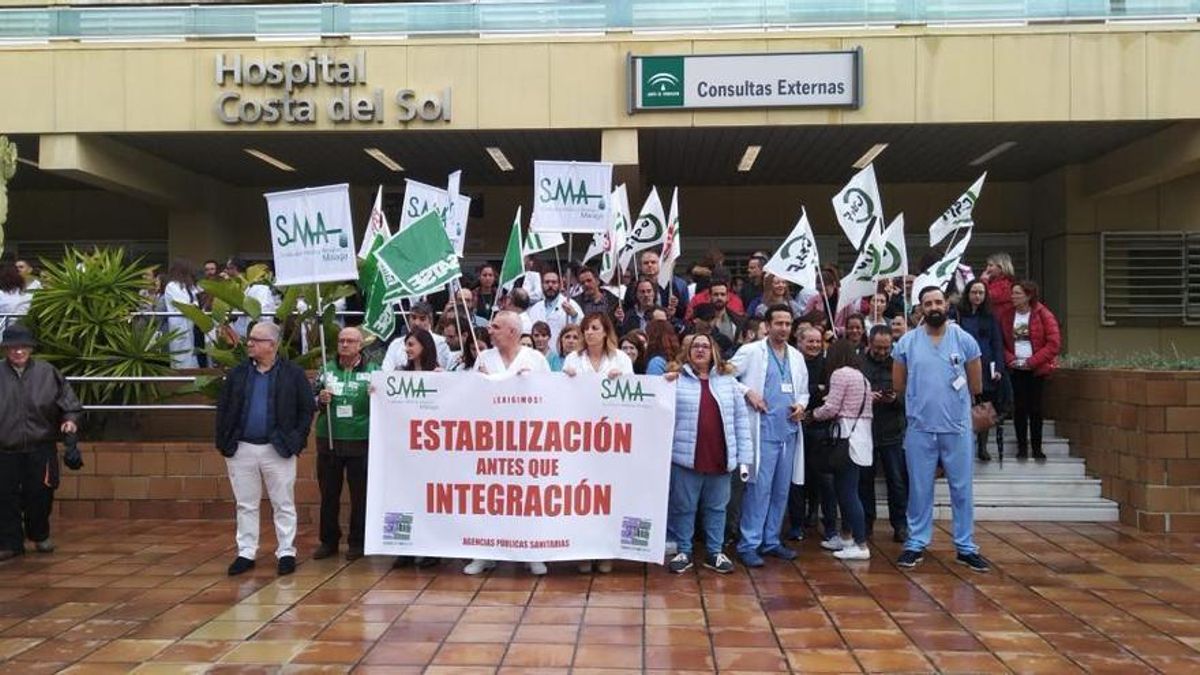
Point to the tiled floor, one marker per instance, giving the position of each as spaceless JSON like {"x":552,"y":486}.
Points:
{"x":151,"y":596}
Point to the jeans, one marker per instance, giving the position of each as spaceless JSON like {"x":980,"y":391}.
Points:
{"x":846,"y":481}
{"x":895,"y":473}
{"x":766,"y":498}
{"x":923,"y":450}
{"x":692,"y":491}
{"x":1027,"y":408}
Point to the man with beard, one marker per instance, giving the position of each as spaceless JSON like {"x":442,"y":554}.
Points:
{"x":887,"y":431}
{"x":674,"y":297}
{"x":646,"y":293}
{"x":753,"y":286}
{"x":592,"y":298}
{"x":937,"y":369}
{"x":726,"y":321}
{"x":555,"y":308}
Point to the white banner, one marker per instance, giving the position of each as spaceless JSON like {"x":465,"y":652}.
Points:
{"x":532,"y":467}
{"x":648,"y":231}
{"x":312,"y":237}
{"x":797,"y":259}
{"x":859,"y":209}
{"x":942,"y":271}
{"x":571,"y":196}
{"x":420,"y":198}
{"x":960,"y":213}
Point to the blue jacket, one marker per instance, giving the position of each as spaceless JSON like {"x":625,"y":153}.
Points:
{"x":735,"y":419}
{"x":986,"y":331}
{"x":290,"y":408}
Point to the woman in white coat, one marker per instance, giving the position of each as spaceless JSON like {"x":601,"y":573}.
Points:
{"x":600,"y":355}
{"x":181,"y":288}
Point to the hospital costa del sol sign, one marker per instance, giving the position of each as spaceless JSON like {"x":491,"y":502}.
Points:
{"x":257,"y":91}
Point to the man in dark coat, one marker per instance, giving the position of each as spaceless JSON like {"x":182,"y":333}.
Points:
{"x":36,"y":406}
{"x":263,"y":416}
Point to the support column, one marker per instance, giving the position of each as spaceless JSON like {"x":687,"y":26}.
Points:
{"x":620,"y":146}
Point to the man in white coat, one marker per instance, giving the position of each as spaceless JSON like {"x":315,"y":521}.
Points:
{"x":775,"y":380}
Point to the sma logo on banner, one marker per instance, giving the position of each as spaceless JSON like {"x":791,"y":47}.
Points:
{"x":625,"y":392}
{"x":408,"y":388}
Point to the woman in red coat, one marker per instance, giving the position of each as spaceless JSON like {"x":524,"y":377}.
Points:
{"x":1031,"y":345}
{"x":999,"y":277}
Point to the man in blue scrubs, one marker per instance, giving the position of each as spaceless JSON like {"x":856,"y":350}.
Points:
{"x":937,"y":369}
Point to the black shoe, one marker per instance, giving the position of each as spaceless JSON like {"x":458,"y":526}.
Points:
{"x":719,"y":563}
{"x":976,"y":562}
{"x":1039,"y":456}
{"x":1022,"y":452}
{"x":910,"y":559}
{"x":9,"y":554}
{"x":426,"y":563}
{"x":983,"y":455}
{"x":681,"y":563}
{"x":287,"y":565}
{"x":402,"y":561}
{"x":900,"y":536}
{"x":354,"y":553}
{"x":240,"y":565}
{"x":795,"y":535}
{"x":325,"y":551}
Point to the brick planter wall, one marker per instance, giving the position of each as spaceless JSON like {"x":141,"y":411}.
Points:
{"x":166,"y":480}
{"x":1139,"y":431}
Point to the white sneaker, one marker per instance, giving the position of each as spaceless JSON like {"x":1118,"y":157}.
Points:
{"x":585,"y":567}
{"x":537,"y":569}
{"x":834,"y":543}
{"x":853,"y":552}
{"x":604,"y":566}
{"x":478,"y":566}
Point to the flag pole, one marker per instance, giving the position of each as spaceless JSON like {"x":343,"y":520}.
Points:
{"x":324,"y":358}
{"x":456,"y":287}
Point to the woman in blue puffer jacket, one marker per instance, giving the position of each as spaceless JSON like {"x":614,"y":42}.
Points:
{"x":712,"y":439}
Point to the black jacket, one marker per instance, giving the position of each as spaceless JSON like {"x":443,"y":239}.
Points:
{"x":816,"y":393}
{"x":289,"y":411}
{"x":888,"y":423}
{"x":34,"y":405}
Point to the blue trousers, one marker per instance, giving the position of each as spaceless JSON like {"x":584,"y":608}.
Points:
{"x":846,"y":480}
{"x":765,"y":500}
{"x":957,"y":453}
{"x":692,"y":491}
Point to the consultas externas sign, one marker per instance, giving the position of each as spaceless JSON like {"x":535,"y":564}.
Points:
{"x":795,"y":80}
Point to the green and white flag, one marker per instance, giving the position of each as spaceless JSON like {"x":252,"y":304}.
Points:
{"x":893,"y":255}
{"x":959,"y":214}
{"x":418,"y":260}
{"x":513,"y":266}
{"x":943,"y":270}
{"x":378,"y":319}
{"x":859,"y":209}
{"x":606,"y":244}
{"x":672,"y":244}
{"x":797,"y":259}
{"x":537,"y":242}
{"x":649,"y":230}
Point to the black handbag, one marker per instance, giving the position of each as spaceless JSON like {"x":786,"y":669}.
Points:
{"x":833,"y":450}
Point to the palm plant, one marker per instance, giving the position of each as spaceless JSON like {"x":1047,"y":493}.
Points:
{"x":83,"y":319}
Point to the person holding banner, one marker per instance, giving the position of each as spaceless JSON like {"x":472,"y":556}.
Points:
{"x":507,"y":358}
{"x":555,"y":308}
{"x":936,"y":368}
{"x":712,"y":439}
{"x":600,"y":355}
{"x":775,"y":383}
{"x":342,"y":393}
{"x":264,"y":412}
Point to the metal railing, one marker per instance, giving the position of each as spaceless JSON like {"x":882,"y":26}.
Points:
{"x":499,"y":17}
{"x":134,"y":407}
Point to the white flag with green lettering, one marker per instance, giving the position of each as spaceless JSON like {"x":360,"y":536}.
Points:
{"x":536,"y":242}
{"x":797,"y":259}
{"x":571,"y":196}
{"x":672,"y":244}
{"x":648,"y":231}
{"x":859,"y":209}
{"x":893,"y":255}
{"x":959,"y":215}
{"x":942,"y":271}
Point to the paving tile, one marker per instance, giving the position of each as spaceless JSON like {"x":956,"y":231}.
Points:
{"x":535,"y":655}
{"x":547,"y":632}
{"x":469,"y":654}
{"x":127,"y":651}
{"x":322,"y":652}
{"x":606,"y":656}
{"x":823,"y":661}
{"x":758,"y":659}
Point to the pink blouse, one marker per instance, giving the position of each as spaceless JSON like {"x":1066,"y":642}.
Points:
{"x":847,"y":390}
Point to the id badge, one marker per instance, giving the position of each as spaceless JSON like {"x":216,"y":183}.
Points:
{"x":344,"y":411}
{"x":787,"y":388}
{"x":335,"y":388}
{"x":958,"y":382}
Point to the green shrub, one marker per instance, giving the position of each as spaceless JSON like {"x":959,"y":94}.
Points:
{"x":1146,"y":360}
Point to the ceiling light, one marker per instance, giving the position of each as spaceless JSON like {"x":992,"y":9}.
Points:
{"x":993,"y":153}
{"x":278,"y":164}
{"x":870,"y":155}
{"x":498,"y":157}
{"x":748,"y":158}
{"x":381,"y":157}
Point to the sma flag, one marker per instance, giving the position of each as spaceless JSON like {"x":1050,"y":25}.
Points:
{"x":377,"y":227}
{"x":960,"y":213}
{"x":607,"y":244}
{"x":859,"y":209}
{"x":672,"y":244}
{"x":378,"y":319}
{"x":513,"y":266}
{"x":649,"y":230}
{"x":797,"y":260}
{"x":942,"y":271}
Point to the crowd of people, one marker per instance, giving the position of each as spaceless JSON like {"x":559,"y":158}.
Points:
{"x":785,"y":409}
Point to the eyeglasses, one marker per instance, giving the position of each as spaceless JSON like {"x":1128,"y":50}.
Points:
{"x":259,"y":340}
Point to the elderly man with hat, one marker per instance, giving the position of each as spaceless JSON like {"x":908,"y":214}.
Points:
{"x":36,"y":406}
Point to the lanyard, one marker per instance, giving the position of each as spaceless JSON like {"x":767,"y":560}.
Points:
{"x":781,"y":364}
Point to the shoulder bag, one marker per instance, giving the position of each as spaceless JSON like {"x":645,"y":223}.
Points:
{"x":833,"y":451}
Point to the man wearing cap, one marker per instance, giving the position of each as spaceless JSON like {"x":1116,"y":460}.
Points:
{"x":419,"y":316}
{"x":264,"y":412}
{"x":36,"y":405}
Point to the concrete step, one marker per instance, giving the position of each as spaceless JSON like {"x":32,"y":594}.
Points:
{"x":1031,"y":510}
{"x":1020,"y":490}
{"x":1048,"y":428}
